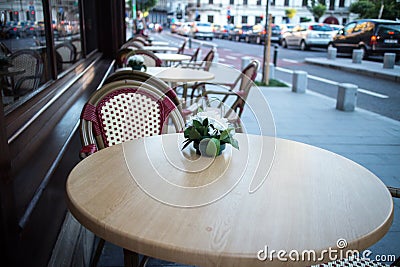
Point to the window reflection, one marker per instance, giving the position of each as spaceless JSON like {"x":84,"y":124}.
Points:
{"x":66,"y":29}
{"x":24,"y":60}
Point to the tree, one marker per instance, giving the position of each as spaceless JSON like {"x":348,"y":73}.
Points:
{"x":145,"y":5}
{"x":290,"y":13}
{"x":317,"y":9}
{"x":371,"y":9}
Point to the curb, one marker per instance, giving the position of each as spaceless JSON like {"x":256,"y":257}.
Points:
{"x":356,"y":69}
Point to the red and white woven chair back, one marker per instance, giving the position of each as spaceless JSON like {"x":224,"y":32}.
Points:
{"x":120,"y":111}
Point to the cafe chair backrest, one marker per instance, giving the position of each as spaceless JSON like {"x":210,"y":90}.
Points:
{"x":182,"y":48}
{"x":143,"y":77}
{"x":65,"y":55}
{"x":77,"y":43}
{"x":150,"y":59}
{"x":120,"y":58}
{"x":121,"y":111}
{"x":31,"y":62}
{"x":208,"y":60}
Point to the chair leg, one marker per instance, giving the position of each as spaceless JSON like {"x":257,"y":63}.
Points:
{"x":131,"y":259}
{"x":97,"y":255}
{"x":144,"y":261}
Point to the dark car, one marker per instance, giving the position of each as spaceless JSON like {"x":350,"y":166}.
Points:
{"x":222,"y":32}
{"x":373,"y":36}
{"x":240,"y":32}
{"x":259,"y":32}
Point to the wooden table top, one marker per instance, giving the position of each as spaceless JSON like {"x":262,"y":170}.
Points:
{"x":148,"y":196}
{"x":172,"y":57}
{"x":183,"y":75}
{"x":160,"y":48}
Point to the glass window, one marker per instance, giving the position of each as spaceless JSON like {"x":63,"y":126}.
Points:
{"x":286,"y":3}
{"x":244,"y":19}
{"x":258,"y":3}
{"x":304,"y":3}
{"x":259,"y":19}
{"x":25,"y":55}
{"x":24,"y":61}
{"x":231,"y":2}
{"x":66,"y":30}
{"x":348,"y":29}
{"x":332,"y":5}
{"x":341,"y":3}
{"x":245,"y":2}
{"x":210,"y":18}
{"x":211,"y":2}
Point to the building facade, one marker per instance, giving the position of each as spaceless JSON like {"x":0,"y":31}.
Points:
{"x":253,"y":11}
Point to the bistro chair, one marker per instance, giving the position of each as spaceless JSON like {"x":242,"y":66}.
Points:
{"x":181,"y":49}
{"x":77,"y":43}
{"x":205,"y":64}
{"x":65,"y":55}
{"x":237,"y":91}
{"x":132,"y":45}
{"x":120,"y":58}
{"x":121,"y":111}
{"x":150,"y":59}
{"x":143,"y":77}
{"x":31,"y":62}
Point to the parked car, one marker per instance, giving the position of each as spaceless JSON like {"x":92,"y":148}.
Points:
{"x":307,"y":35}
{"x":373,"y":36}
{"x":175,"y":26}
{"x":185,"y":29}
{"x":202,"y":30}
{"x":240,"y":32}
{"x":258,"y":34}
{"x":222,"y":32}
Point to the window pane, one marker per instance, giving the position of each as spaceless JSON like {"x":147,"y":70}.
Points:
{"x":66,"y":26}
{"x":24,"y":61}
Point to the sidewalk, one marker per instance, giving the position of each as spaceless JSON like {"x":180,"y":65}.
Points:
{"x":366,"y":67}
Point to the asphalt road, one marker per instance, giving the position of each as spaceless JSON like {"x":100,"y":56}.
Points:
{"x":377,"y":95}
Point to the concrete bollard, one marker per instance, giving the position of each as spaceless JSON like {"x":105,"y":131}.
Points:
{"x":388,"y":60}
{"x":346,"y":97}
{"x":332,"y":53}
{"x":245,"y":61}
{"x":299,"y":81}
{"x":357,"y":56}
{"x":271,"y":71}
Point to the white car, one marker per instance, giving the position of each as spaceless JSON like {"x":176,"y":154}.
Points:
{"x":307,"y":35}
{"x":203,"y":30}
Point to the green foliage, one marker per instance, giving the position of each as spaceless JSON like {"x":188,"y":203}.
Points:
{"x":272,"y":83}
{"x":290,"y":12}
{"x":145,"y":5}
{"x":370,"y":9}
{"x":318,"y":10}
{"x":200,"y":130}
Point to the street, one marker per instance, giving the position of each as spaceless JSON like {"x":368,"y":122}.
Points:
{"x":375,"y":94}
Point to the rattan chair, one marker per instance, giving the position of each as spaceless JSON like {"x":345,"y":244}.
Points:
{"x":150,"y":59}
{"x":121,"y":111}
{"x":205,"y":64}
{"x":77,"y":43}
{"x":143,"y":77}
{"x":181,"y":49}
{"x":120,"y":58}
{"x":31,"y":62}
{"x":238,"y":91}
{"x":65,"y":55}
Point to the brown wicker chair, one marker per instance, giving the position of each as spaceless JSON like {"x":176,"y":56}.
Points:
{"x":65,"y":55}
{"x":150,"y":59}
{"x":32,"y":64}
{"x":120,"y":58}
{"x":238,"y":90}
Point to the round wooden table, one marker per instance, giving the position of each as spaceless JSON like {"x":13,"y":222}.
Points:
{"x":161,"y":48}
{"x":168,"y":57}
{"x":150,"y":197}
{"x":180,"y":75}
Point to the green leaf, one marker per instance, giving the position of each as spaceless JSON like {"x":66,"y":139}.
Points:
{"x":197,"y":124}
{"x":205,"y":122}
{"x":224,"y":135}
{"x":194,"y":134}
{"x":234,"y":143}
